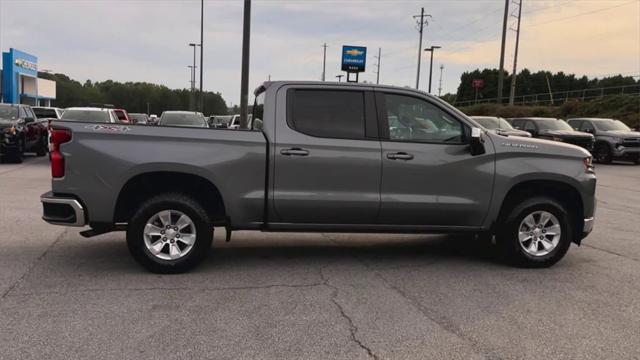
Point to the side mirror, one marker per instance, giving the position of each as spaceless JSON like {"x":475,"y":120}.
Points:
{"x":477,"y":142}
{"x":28,"y":120}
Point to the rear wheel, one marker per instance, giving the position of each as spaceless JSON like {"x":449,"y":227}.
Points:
{"x":536,"y":233}
{"x":170,"y":233}
{"x":42,"y":147}
{"x":603,"y":153}
{"x":18,"y":153}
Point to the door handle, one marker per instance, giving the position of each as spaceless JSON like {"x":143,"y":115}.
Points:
{"x":294,"y":152}
{"x":399,"y":156}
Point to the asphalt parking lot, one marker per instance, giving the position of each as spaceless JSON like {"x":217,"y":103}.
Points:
{"x":319,"y":296}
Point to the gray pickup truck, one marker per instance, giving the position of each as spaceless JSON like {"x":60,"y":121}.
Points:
{"x":321,"y":157}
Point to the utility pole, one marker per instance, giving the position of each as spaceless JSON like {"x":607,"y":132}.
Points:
{"x":147,"y":108}
{"x":504,"y":36}
{"x":201,"y":53}
{"x":440,"y":85}
{"x":339,"y":77}
{"x":421,"y":23}
{"x":512,"y":93}
{"x":378,"y":65}
{"x":324,"y":61}
{"x":431,"y":50}
{"x":244,"y":83}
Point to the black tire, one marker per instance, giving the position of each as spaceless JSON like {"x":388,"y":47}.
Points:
{"x":43,"y":147}
{"x":18,"y":154}
{"x":177,"y":202}
{"x":637,"y":160}
{"x":603,"y":153}
{"x":507,"y":237}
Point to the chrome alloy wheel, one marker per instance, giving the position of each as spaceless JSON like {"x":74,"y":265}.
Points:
{"x":169,"y":235}
{"x":539,"y":233}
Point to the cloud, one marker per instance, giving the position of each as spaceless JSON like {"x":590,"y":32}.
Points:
{"x":148,"y":40}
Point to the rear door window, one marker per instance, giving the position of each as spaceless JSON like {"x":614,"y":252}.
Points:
{"x":328,"y":113}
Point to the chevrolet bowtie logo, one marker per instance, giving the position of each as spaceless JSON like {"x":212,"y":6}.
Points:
{"x":354,"y":52}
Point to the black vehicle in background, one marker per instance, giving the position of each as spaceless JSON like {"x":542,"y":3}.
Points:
{"x":21,"y":131}
{"x":499,"y":126}
{"x":139,"y":118}
{"x":43,"y":112}
{"x":553,"y":129}
{"x":614,"y":139}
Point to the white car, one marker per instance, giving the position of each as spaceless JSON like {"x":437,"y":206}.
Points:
{"x":90,"y":114}
{"x":235,"y":122}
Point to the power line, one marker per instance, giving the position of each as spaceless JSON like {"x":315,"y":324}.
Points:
{"x":585,"y":13}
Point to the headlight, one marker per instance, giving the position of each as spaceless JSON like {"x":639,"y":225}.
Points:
{"x":10,"y":130}
{"x":588,"y":165}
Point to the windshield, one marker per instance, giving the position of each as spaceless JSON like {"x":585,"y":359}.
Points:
{"x":493,"y":123}
{"x":551,"y":124}
{"x":86,"y":115}
{"x":138,"y":117}
{"x":8,"y":112}
{"x":610,"y":125}
{"x":45,"y":113}
{"x":183,"y":119}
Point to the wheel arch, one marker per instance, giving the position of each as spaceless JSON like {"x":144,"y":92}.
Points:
{"x":147,"y":184}
{"x":563,"y":192}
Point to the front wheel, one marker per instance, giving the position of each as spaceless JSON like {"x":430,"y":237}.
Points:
{"x":536,"y":233}
{"x":603,"y":153}
{"x":170,"y":233}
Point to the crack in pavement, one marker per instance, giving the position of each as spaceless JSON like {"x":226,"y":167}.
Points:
{"x":611,"y":252}
{"x":168,"y":288}
{"x":353,"y":329}
{"x":441,"y":321}
{"x":32,"y":265}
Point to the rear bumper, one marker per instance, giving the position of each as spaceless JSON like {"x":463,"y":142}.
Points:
{"x":58,"y":210}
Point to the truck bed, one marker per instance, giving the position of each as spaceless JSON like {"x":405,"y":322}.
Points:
{"x":233,"y":160}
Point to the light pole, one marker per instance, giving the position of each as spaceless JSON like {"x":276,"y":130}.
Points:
{"x":431,"y":50}
{"x":201,"y":53}
{"x":339,"y":77}
{"x":193,"y":76}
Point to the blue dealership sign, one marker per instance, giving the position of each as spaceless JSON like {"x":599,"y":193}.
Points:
{"x":354,"y":58}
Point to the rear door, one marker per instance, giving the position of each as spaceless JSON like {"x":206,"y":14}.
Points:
{"x":327,"y":156}
{"x":429,"y":176}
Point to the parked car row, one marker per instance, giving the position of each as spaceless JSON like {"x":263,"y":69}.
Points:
{"x":606,"y":139}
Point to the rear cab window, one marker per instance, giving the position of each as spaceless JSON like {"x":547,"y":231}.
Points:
{"x":336,"y":114}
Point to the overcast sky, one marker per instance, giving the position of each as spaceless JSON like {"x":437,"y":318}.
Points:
{"x":147,"y":40}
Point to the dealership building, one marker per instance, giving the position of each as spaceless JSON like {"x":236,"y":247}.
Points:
{"x":20,"y":81}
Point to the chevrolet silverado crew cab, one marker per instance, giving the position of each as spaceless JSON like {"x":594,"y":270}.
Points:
{"x":614,"y":139}
{"x":321,"y":157}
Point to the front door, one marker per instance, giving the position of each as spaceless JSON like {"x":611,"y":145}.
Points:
{"x":429,"y":176}
{"x":327,"y":156}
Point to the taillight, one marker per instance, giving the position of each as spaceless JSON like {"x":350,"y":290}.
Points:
{"x":58,"y":137}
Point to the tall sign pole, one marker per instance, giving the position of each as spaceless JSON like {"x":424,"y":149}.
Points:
{"x":504,"y":37}
{"x":244,"y":82}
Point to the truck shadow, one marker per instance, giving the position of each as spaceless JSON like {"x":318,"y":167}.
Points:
{"x":384,"y":252}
